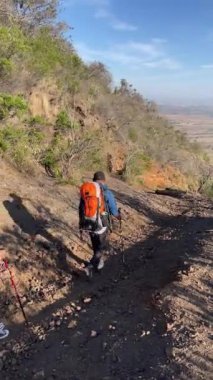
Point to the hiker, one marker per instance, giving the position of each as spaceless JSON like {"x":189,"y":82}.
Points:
{"x":97,"y":205}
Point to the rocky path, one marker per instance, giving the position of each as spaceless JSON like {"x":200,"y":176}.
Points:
{"x":148,"y":316}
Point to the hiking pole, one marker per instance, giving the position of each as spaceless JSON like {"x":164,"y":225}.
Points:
{"x":16,"y":291}
{"x":79,"y":245}
{"x":122,"y":237}
{"x":120,"y":219}
{"x":128,"y":239}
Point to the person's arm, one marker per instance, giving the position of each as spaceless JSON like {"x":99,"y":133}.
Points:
{"x":111,"y":203}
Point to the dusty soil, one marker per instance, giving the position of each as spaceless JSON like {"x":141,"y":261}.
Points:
{"x":147,"y":316}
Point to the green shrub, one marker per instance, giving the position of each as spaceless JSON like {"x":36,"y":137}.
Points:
{"x":6,"y":66}
{"x":21,"y":146}
{"x":63,"y":121}
{"x":35,"y":140}
{"x":208,"y":189}
{"x":14,"y":144}
{"x":133,"y":135}
{"x":67,"y":154}
{"x":10,"y":103}
{"x":13,"y":48}
{"x":93,"y":159}
{"x":49,"y":54}
{"x":37,"y":120}
{"x":136,"y":164}
{"x":50,"y":160}
{"x":13,"y":42}
{"x":10,"y":136}
{"x":45,"y":51}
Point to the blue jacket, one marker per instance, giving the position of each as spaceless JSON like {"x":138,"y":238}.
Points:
{"x":110,"y":201}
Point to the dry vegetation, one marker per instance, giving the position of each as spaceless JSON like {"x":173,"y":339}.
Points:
{"x":77,"y":117}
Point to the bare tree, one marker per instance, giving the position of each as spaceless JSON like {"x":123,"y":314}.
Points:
{"x":29,"y":14}
{"x":77,"y":151}
{"x":99,"y":72}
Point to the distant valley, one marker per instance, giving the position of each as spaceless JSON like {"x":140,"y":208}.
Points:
{"x":197,"y":122}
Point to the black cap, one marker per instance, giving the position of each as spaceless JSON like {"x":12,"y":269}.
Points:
{"x":99,"y":176}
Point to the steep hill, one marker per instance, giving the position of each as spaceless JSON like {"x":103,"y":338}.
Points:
{"x":59,"y":113}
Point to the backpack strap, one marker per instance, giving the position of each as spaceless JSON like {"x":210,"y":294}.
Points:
{"x":106,"y":206}
{"x":98,"y":192}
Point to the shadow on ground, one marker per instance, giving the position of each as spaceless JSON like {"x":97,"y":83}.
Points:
{"x":121,"y":331}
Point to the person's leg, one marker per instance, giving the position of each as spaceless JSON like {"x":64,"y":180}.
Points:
{"x":94,"y":260}
{"x":96,"y":246}
{"x":102,"y":247}
{"x":99,"y":245}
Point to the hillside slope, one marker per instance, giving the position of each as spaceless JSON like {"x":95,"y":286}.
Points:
{"x":145,"y":317}
{"x":58,"y":112}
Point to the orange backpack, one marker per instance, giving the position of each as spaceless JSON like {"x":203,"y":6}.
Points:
{"x":94,"y":205}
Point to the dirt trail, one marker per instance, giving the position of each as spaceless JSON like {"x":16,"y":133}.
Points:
{"x":146,"y":317}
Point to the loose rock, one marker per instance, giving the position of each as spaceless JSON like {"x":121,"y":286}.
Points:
{"x":72,"y":324}
{"x":87,"y":300}
{"x":93,"y":334}
{"x":39,"y":375}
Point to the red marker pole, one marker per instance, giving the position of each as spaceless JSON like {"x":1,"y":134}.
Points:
{"x":15,"y":290}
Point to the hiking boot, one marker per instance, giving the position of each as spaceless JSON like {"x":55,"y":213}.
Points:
{"x":100,"y":264}
{"x":3,"y":332}
{"x":89,"y":271}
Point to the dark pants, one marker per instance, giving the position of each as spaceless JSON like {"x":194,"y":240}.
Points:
{"x":99,"y":245}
